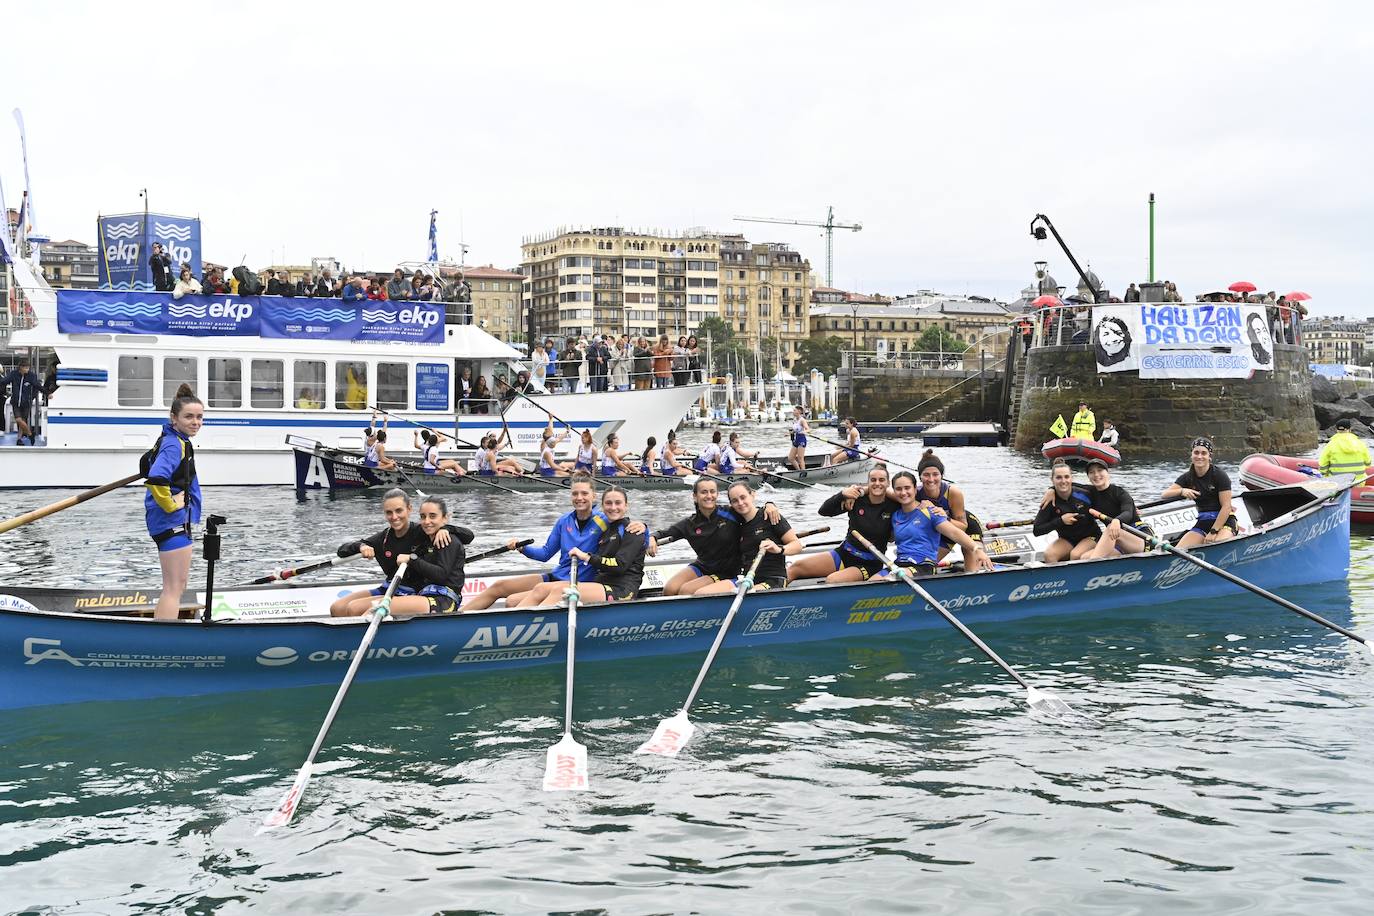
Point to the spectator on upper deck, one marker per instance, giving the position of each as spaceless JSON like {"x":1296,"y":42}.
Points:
{"x":161,"y":266}
{"x":354,"y":292}
{"x":187,"y":284}
{"x":397,"y":289}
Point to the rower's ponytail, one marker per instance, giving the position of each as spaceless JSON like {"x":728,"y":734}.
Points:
{"x":184,"y":396}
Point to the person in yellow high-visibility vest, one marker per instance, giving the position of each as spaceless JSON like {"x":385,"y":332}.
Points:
{"x":1084,"y":423}
{"x":1344,"y":454}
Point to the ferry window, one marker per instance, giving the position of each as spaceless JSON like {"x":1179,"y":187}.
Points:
{"x":393,"y":386}
{"x":309,"y":391}
{"x":175,"y":370}
{"x":136,"y":381}
{"x":350,"y":385}
{"x":266,"y":383}
{"x":226,"y":383}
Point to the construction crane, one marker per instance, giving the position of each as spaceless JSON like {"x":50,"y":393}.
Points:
{"x":829,"y":226}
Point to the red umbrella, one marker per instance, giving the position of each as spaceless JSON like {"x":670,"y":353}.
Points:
{"x":1298,"y":296}
{"x":1242,"y":286}
{"x":1042,"y":301}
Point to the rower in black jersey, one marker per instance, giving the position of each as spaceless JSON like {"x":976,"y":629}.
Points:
{"x":870,"y":514}
{"x":757,"y":532}
{"x":1065,"y":512}
{"x":713,"y":533}
{"x":1113,"y":501}
{"x":614,"y":572}
{"x":440,"y":569}
{"x":1210,"y":487}
{"x":399,"y":539}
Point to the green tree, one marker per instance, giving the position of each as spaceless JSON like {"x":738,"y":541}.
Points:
{"x":936,"y":339}
{"x":820,"y":353}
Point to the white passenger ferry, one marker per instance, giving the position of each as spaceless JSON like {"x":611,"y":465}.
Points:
{"x":118,"y":374}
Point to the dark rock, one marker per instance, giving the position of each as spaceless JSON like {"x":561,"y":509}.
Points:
{"x":1324,"y":390}
{"x":1328,"y":414}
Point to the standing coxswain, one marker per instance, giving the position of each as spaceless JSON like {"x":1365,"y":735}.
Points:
{"x":172,"y":504}
{"x":796,"y":456}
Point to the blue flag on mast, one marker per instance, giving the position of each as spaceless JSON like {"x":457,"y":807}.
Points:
{"x":433,"y":238}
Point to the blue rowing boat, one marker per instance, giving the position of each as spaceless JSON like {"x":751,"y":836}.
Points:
{"x":53,"y":657}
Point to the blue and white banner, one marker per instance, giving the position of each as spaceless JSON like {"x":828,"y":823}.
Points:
{"x":126,"y":244}
{"x":83,"y":311}
{"x":1182,"y":340}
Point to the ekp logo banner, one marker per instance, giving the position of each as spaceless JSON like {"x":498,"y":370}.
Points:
{"x":126,"y":242}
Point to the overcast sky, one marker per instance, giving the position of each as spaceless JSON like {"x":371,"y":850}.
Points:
{"x":333,"y":129}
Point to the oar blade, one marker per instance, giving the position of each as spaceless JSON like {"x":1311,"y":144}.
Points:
{"x":1043,"y":701}
{"x":565,"y":767}
{"x":286,"y":809}
{"x":670,"y":737}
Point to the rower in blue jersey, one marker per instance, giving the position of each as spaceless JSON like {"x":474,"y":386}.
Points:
{"x":917,"y":529}
{"x":937,"y":491}
{"x":172,"y":504}
{"x":581,"y":528}
{"x":614,"y":569}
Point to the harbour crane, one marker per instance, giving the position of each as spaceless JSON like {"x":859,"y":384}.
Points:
{"x":829,"y":226}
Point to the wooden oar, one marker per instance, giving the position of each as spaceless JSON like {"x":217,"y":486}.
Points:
{"x":673,"y":733}
{"x":1035,"y":697}
{"x":10,"y":524}
{"x":565,"y":765}
{"x":286,"y":809}
{"x":1153,"y":541}
{"x":1021,"y":523}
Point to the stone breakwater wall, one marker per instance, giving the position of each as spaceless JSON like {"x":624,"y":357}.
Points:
{"x":1271,"y":412}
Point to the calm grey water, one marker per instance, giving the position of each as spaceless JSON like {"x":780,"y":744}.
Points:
{"x":1225,"y":766}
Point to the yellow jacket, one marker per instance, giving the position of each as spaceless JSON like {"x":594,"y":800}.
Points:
{"x":1344,"y":454}
{"x":1084,"y":423}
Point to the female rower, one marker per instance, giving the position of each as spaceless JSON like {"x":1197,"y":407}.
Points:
{"x":549,"y":465}
{"x":581,"y":528}
{"x":490,"y":458}
{"x":709,"y":459}
{"x":918,"y":527}
{"x":850,"y":452}
{"x":936,"y":491}
{"x":398,"y":539}
{"x":1210,"y":487}
{"x":668,"y":463}
{"x":614,"y":569}
{"x":1114,"y":502}
{"x":731,"y":457}
{"x":649,"y":457}
{"x":757,"y":533}
{"x":440,"y":569}
{"x":172,"y":504}
{"x":374,"y":446}
{"x":1065,"y":512}
{"x":585,"y":462}
{"x":796,"y":456}
{"x":428,"y":442}
{"x":870,"y":510}
{"x":611,"y":462}
{"x":713,"y":534}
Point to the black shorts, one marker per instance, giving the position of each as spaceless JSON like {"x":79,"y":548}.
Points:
{"x":846,"y":560}
{"x":768,"y":584}
{"x":974,"y":531}
{"x":918,"y":570}
{"x":620,"y":593}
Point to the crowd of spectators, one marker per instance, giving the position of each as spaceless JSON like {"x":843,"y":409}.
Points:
{"x":419,"y":287}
